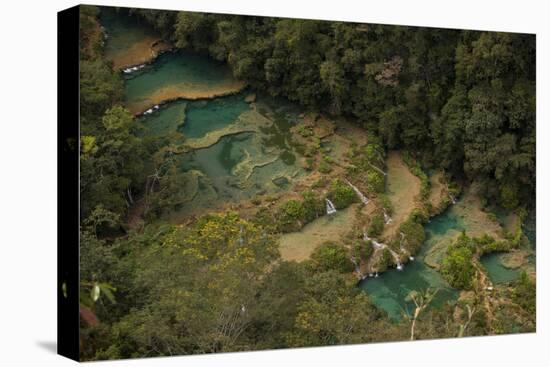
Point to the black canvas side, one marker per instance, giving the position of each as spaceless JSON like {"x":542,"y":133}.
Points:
{"x":68,"y":183}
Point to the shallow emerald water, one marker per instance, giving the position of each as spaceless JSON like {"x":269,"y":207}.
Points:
{"x":390,"y":289}
{"x":209,"y":115}
{"x":239,"y":166}
{"x":123,"y":31}
{"x":174,"y":73}
{"x":443,"y":223}
{"x":496,"y":271}
{"x":219,"y":160}
{"x":166,"y":119}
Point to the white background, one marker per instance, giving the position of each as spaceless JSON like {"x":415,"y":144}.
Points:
{"x":28,"y":182}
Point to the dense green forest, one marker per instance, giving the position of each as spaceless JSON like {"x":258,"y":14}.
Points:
{"x":461,"y":101}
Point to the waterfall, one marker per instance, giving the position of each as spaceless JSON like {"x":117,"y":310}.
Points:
{"x":453,"y":200}
{"x":331,"y":209}
{"x":363,"y":198}
{"x":395,"y":257}
{"x":378,"y":245}
{"x":151,"y":110}
{"x":375,"y":243}
{"x":387,"y":218}
{"x":378,"y":169}
{"x":132,"y":69}
{"x":241,"y":239}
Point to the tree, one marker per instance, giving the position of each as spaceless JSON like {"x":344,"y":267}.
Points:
{"x":421,"y":300}
{"x":376,"y":225}
{"x":193,"y":30}
{"x":115,"y":167}
{"x":195,"y":287}
{"x":524,"y":293}
{"x":334,"y":313}
{"x":457,"y":267}
{"x":341,"y":194}
{"x":100,"y":88}
{"x":331,"y":256}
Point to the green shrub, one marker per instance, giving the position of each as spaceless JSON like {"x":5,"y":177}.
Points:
{"x":313,"y":206}
{"x":321,"y":182}
{"x":362,"y":250}
{"x":304,"y":130}
{"x":414,"y":233}
{"x":488,"y":244}
{"x":524,"y":293}
{"x":376,"y":225}
{"x":341,"y":194}
{"x":457,"y":267}
{"x":386,"y":203}
{"x":324,"y":167}
{"x":509,"y":196}
{"x":416,"y":170}
{"x":331,"y":256}
{"x":376,"y":181}
{"x":419,"y":215}
{"x":294,"y":214}
{"x":309,"y":164}
{"x":493,"y":217}
{"x":385,"y":260}
{"x":290,"y":216}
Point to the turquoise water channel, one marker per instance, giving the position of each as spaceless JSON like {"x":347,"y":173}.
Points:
{"x":391,"y":288}
{"x":242,"y":165}
{"x":239,"y":165}
{"x":175,"y":75}
{"x":194,"y":119}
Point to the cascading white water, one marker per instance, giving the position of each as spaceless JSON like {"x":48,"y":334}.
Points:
{"x":331,"y":209}
{"x":396,"y":258}
{"x":133,"y":68}
{"x":151,"y":110}
{"x":387,"y":218}
{"x":378,"y":169}
{"x":375,"y":243}
{"x":453,"y":200}
{"x":378,"y":245}
{"x":361,"y":196}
